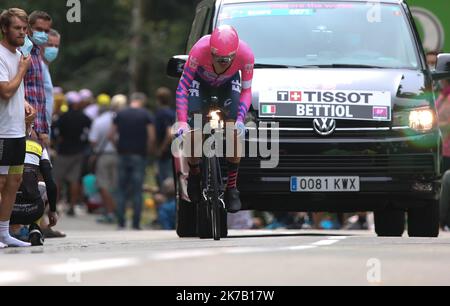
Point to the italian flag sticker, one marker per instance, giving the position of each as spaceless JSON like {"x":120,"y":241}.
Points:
{"x":269,"y":109}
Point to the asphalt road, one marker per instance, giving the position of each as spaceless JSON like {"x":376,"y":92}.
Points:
{"x":99,"y":255}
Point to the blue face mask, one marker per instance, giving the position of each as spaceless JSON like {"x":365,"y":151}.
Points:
{"x":51,"y":53}
{"x":40,"y":38}
{"x":27,"y":47}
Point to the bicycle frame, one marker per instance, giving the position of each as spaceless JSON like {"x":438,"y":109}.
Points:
{"x":213,"y":191}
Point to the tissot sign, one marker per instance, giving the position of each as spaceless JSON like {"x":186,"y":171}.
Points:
{"x":335,"y":104}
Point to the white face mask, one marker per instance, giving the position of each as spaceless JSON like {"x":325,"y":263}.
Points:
{"x":27,"y":47}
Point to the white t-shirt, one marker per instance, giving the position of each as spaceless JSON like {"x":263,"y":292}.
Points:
{"x":100,"y":131}
{"x":12,"y":111}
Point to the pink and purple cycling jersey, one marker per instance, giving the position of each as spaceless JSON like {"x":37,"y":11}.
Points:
{"x":200,"y":64}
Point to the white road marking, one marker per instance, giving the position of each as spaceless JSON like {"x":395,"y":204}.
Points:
{"x":301,"y":248}
{"x":14,"y":277}
{"x":246,"y":250}
{"x":91,"y":266}
{"x":325,"y":242}
{"x":182,"y":254}
{"x":177,"y":255}
{"x":70,"y":267}
{"x":338,"y":238}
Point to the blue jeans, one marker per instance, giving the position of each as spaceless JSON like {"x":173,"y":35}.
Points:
{"x":167,"y":215}
{"x":131,"y":180}
{"x":165,"y":170}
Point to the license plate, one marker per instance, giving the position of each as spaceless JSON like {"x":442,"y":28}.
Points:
{"x":325,"y":184}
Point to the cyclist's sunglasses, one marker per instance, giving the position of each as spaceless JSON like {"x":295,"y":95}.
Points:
{"x":223,"y":59}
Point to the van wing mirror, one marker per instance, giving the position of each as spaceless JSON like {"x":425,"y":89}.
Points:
{"x":442,"y":67}
{"x":175,"y":66}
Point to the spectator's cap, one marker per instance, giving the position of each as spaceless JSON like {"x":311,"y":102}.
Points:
{"x":64,"y":108}
{"x":73,"y":98}
{"x":86,"y":95}
{"x":104,"y":100}
{"x":58,"y":90}
{"x":119,"y":102}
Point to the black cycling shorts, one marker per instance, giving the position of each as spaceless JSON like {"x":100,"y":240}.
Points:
{"x":26,"y":212}
{"x":229,"y":95}
{"x":12,"y":152}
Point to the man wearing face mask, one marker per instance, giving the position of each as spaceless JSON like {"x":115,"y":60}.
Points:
{"x":40,"y":25}
{"x":49,"y":55}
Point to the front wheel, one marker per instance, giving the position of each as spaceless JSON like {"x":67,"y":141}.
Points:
{"x":215,"y":202}
{"x":211,"y":217}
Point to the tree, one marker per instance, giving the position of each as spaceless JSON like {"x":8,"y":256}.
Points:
{"x":110,"y":47}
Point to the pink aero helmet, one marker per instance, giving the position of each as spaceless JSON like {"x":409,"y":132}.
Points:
{"x":224,"y":41}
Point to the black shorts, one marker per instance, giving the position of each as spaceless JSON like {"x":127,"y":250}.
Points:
{"x":27,"y":212}
{"x":12,"y":152}
{"x":229,"y":95}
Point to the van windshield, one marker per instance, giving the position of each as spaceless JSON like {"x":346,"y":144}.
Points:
{"x":325,"y":33}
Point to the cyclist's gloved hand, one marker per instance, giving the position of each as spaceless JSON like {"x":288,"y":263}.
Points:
{"x":182,"y":128}
{"x":241,"y":128}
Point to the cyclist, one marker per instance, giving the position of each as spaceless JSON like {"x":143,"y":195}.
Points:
{"x":215,"y":64}
{"x":32,"y":196}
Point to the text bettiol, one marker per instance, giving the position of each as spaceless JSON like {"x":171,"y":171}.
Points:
{"x":344,"y":104}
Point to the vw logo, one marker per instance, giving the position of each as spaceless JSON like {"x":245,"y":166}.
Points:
{"x":324,"y":126}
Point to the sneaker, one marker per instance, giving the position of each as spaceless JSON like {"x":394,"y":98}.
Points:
{"x":106,"y":219}
{"x":71,"y":212}
{"x":233,"y":201}
{"x":194,"y":188}
{"x":36,"y":237}
{"x":3,"y":246}
{"x":50,"y":233}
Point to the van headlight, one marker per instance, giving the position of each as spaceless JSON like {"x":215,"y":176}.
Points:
{"x":422,"y":120}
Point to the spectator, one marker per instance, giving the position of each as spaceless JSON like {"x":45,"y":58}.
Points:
{"x":31,"y":200}
{"x":133,"y":133}
{"x":88,"y":101}
{"x":106,"y":156}
{"x":166,"y":202}
{"x":71,"y":133}
{"x":40,"y":25}
{"x":443,"y":108}
{"x":164,"y":120}
{"x":92,"y":111}
{"x":49,"y":55}
{"x":432,"y":59}
{"x":13,"y":66}
{"x":242,"y":220}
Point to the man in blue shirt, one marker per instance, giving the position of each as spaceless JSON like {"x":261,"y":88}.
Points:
{"x":133,"y":134}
